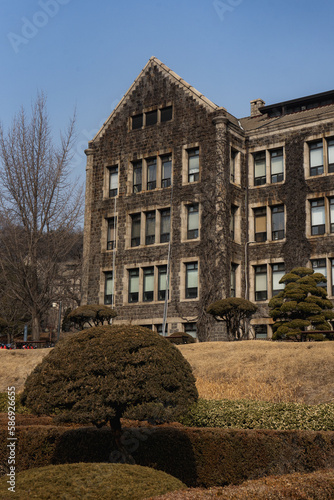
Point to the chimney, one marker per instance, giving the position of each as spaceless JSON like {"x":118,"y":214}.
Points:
{"x":255,"y":105}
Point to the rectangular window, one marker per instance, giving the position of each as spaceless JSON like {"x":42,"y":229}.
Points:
{"x":111,"y":235}
{"x":190,"y":329}
{"x":133,"y":285}
{"x":164,"y":225}
{"x":193,"y":164}
{"x":150,"y":228}
{"x":166,"y":171}
{"x":137,"y":176}
{"x":166,"y":114}
{"x":191,"y":280}
{"x":148,"y":285}
{"x":233,"y":279}
{"x":151,"y":173}
{"x":260,"y":168}
{"x":232,"y":223}
{"x":151,"y":117}
{"x":135,"y":230}
{"x":233,"y":164}
{"x":276,"y":165}
{"x":277,"y":222}
{"x":278,"y":271}
{"x":316,"y":158}
{"x":319,"y":266}
{"x":162,"y":282}
{"x":192,"y":221}
{"x":137,"y":121}
{"x":260,"y":331}
{"x":260,"y":216}
{"x":318,"y":223}
{"x":261,"y":290}
{"x":108,"y":287}
{"x":331,"y":213}
{"x":330,"y":155}
{"x":113,"y":181}
{"x":332,"y":276}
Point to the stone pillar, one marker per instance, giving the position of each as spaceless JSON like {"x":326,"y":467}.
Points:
{"x":87,"y":224}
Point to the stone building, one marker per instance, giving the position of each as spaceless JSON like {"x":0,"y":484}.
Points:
{"x":177,"y":186}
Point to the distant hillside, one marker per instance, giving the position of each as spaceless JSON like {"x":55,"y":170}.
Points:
{"x":260,"y":370}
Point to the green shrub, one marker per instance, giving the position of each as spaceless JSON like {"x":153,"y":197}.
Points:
{"x":91,"y":481}
{"x":260,"y":415}
{"x":108,"y":372}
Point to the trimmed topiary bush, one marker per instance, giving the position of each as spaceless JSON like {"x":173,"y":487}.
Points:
{"x":105,"y":373}
{"x":95,"y":481}
{"x":92,"y":314}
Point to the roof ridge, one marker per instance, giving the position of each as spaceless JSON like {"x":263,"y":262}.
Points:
{"x":154,"y":60}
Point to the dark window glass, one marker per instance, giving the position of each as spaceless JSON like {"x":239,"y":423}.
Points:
{"x":133,"y":285}
{"x":137,"y":176}
{"x":135,"y":230}
{"x":331,"y":213}
{"x":193,"y":164}
{"x":148,"y":291}
{"x":277,"y":222}
{"x":233,"y":164}
{"x":330,"y":154}
{"x":166,"y":171}
{"x":259,"y":168}
{"x":150,"y":228}
{"x":113,"y":181}
{"x":193,"y":221}
{"x":151,"y":173}
{"x":316,"y":158}
{"x":260,"y":331}
{"x":318,"y":221}
{"x":111,"y":236}
{"x":166,"y":114}
{"x":233,"y":280}
{"x":260,"y":215}
{"x":162,"y":282}
{"x":191,"y":280}
{"x":276,"y":165}
{"x":151,"y":117}
{"x":233,"y":212}
{"x":261,"y":291}
{"x":108,"y":288}
{"x":164,"y":225}
{"x":191,"y":329}
{"x":137,"y":121}
{"x":278,"y":271}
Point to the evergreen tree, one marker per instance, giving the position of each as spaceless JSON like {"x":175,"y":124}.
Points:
{"x":302,"y":306}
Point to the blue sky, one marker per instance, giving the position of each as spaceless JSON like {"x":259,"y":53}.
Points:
{"x":86,"y":54}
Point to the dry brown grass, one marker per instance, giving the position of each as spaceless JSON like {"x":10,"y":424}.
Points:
{"x":16,"y":365}
{"x":261,"y":370}
{"x":258,"y":370}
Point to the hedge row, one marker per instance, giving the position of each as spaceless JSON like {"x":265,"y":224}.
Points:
{"x":198,"y":457}
{"x":316,"y":485}
{"x":260,"y":415}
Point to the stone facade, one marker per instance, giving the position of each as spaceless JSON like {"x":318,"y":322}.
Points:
{"x":253,"y":185}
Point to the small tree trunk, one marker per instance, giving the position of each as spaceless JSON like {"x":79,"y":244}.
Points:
{"x":35,"y":327}
{"x":119,"y":455}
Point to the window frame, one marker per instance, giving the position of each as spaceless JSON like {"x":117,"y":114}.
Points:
{"x":193,"y":153}
{"x":279,"y":176}
{"x":259,"y":180}
{"x":260,"y":212}
{"x":280,"y":233}
{"x":150,"y":238}
{"x":133,"y":297}
{"x":280,"y":269}
{"x":192,"y":208}
{"x":314,"y":146}
{"x":111,"y":228}
{"x":165,"y":237}
{"x":112,"y":170}
{"x":135,"y":240}
{"x":148,"y":295}
{"x":191,"y":292}
{"x":137,"y":165}
{"x":315,"y":232}
{"x":108,"y":299}
{"x":260,"y":270}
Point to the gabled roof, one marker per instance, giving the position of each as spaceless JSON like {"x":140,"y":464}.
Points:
{"x":173,"y":77}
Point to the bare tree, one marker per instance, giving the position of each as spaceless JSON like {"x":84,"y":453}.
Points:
{"x":40,"y":209}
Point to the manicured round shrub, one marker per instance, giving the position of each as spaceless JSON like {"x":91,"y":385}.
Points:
{"x":94,"y":481}
{"x":92,"y":314}
{"x":105,"y":373}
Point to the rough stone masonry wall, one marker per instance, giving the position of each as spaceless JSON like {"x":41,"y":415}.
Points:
{"x":192,"y":123}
